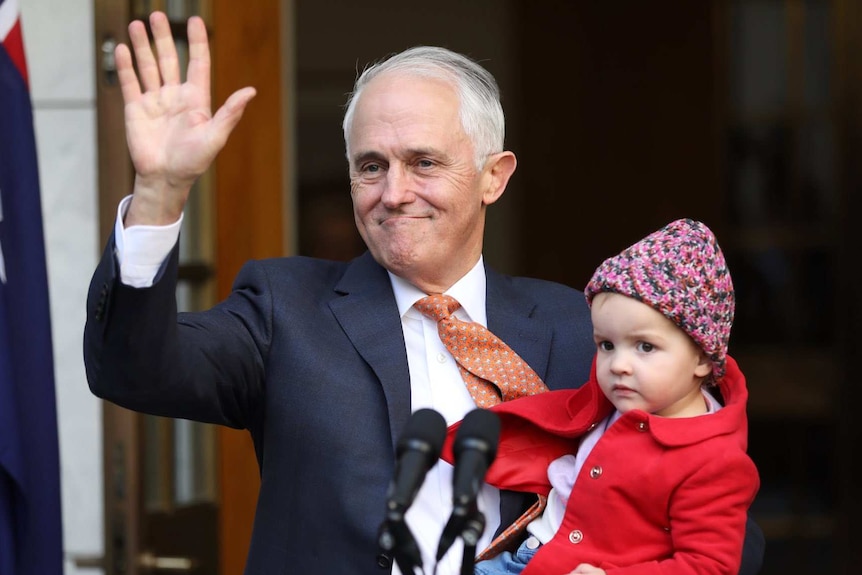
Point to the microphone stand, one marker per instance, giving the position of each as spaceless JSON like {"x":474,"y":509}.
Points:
{"x":473,"y":529}
{"x":396,"y":539}
{"x":468,"y":523}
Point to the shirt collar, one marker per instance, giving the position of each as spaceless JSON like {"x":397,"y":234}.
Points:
{"x":712,"y":404}
{"x":469,"y":291}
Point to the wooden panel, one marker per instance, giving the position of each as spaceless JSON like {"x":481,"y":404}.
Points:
{"x":116,"y":174}
{"x":248,"y":172}
{"x":119,"y":426}
{"x":249,"y":216}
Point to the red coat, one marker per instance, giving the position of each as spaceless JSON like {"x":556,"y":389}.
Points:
{"x":655,"y":496}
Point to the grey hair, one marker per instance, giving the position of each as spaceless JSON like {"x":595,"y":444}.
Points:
{"x":480,"y":109}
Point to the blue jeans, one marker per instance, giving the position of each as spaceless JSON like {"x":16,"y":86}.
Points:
{"x":507,"y":563}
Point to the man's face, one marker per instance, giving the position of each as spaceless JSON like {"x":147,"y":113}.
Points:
{"x":418,"y":198}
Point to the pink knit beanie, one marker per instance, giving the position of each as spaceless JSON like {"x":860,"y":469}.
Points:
{"x":680,"y":271}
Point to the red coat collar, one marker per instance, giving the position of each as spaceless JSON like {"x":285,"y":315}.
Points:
{"x":538,"y":429}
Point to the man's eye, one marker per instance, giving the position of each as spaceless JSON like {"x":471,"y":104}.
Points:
{"x":371,"y":168}
{"x":425,"y":163}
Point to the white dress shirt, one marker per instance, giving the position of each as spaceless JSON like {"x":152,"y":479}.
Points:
{"x":435,"y":381}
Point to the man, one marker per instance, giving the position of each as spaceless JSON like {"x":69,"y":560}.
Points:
{"x":323,"y":362}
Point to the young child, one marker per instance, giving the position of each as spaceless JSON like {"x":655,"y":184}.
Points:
{"x":644,"y":467}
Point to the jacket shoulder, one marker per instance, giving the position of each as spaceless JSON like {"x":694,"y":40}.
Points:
{"x":550,"y":298}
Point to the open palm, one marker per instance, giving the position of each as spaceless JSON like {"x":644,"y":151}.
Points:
{"x":170,"y":130}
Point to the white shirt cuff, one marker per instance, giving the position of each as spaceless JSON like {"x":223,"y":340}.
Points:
{"x":141,"y":250}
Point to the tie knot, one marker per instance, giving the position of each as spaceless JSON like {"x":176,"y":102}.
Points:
{"x":437,"y":307}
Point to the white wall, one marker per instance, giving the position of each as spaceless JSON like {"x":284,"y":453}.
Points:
{"x":58,"y":42}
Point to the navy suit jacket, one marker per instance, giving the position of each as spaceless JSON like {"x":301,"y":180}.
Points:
{"x":309,"y":356}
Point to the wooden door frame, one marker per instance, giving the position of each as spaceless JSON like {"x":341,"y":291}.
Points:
{"x":249,"y":43}
{"x":120,"y":429}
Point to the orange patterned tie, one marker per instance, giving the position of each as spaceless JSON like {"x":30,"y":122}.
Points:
{"x":490,"y":368}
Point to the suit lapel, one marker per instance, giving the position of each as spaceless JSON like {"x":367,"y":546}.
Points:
{"x":510,"y":317}
{"x":369,"y":316}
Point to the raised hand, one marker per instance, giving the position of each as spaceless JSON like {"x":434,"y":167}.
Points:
{"x":172,"y":135}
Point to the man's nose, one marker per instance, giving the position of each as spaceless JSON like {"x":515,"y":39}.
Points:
{"x":398,"y":186}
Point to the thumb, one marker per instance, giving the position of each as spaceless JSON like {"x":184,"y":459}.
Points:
{"x":229,"y":114}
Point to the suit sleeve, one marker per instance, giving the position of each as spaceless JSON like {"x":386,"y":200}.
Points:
{"x":753,"y":548}
{"x":141,"y":354}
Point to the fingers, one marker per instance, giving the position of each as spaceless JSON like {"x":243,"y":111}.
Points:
{"x":587,"y":569}
{"x":166,"y":49}
{"x":148,"y":70}
{"x":129,"y":86}
{"x":151,"y":73}
{"x":227,"y":117}
{"x":199,"y":56}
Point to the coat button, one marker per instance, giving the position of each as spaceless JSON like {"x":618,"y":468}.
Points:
{"x":592,"y":426}
{"x":596,"y":472}
{"x":103,"y":301}
{"x":576,"y":536}
{"x":643,"y":426}
{"x":384,"y":561}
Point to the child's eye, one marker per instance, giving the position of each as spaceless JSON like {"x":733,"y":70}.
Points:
{"x":645,"y":347}
{"x":606,"y":346}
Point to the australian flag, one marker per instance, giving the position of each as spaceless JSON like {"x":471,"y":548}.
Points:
{"x":30,"y":521}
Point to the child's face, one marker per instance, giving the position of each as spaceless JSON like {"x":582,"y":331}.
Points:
{"x":644,"y":361}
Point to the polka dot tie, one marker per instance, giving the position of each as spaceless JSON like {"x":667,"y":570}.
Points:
{"x":492,"y":371}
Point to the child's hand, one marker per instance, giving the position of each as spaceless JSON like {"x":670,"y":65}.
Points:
{"x":587,"y":569}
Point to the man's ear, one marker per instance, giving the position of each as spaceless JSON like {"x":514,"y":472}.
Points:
{"x":496,"y":173}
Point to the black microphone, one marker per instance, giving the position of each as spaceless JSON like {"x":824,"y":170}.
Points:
{"x":474,"y":449}
{"x":417,"y":451}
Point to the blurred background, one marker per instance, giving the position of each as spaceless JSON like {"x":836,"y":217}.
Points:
{"x":624,"y":115}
